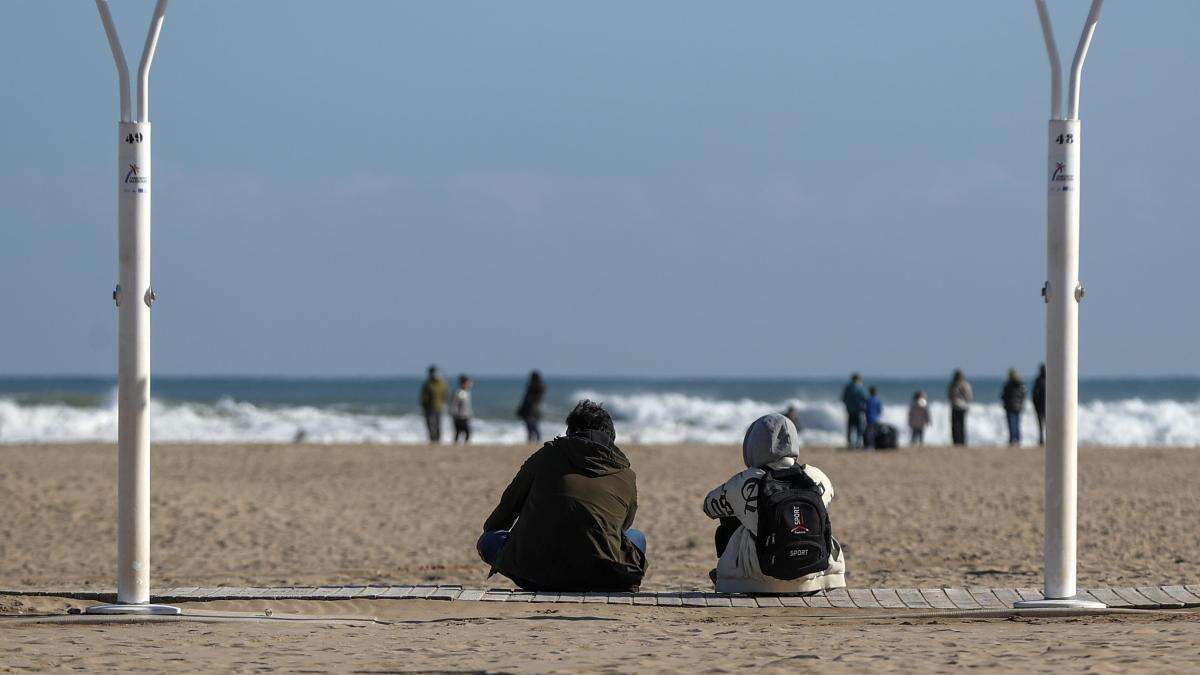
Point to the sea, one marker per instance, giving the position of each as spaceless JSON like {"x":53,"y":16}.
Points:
{"x":1134,"y":412}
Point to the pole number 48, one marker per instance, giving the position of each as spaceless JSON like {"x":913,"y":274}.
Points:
{"x":1065,"y":139}
{"x":137,"y":138}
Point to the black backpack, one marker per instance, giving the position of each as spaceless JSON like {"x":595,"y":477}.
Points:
{"x":886,"y":437}
{"x":794,"y":537}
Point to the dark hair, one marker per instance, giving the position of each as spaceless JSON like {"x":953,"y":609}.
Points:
{"x":432,"y":370}
{"x":463,"y":379}
{"x":535,"y":376}
{"x":872,"y":391}
{"x":855,"y":376}
{"x":590,"y":415}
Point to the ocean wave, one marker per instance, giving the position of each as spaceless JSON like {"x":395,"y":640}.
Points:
{"x":641,"y":418}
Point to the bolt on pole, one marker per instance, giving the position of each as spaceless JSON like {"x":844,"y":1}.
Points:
{"x":1062,"y":294}
{"x":133,"y":296}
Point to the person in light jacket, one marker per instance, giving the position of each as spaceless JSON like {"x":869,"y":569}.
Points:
{"x":918,"y":418}
{"x":960,"y":395}
{"x":770,"y":443}
{"x":460,"y":409}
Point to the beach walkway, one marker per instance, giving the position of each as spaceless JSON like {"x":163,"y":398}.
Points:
{"x":970,"y":598}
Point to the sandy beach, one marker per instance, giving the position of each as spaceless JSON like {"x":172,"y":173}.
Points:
{"x":269,"y":515}
{"x":275,"y":515}
{"x":422,"y":636}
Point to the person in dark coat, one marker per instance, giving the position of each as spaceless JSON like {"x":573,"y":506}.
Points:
{"x":1013,"y":398}
{"x":530,"y":410}
{"x":433,"y":400}
{"x":564,"y":522}
{"x":854,"y":397}
{"x":960,"y":395}
{"x":1039,"y":402}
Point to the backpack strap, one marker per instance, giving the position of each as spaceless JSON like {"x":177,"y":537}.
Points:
{"x":788,"y":474}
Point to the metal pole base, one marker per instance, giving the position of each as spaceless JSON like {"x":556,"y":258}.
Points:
{"x":137,"y":610}
{"x":1077,"y":602}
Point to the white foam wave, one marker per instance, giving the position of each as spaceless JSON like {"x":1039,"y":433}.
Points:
{"x":230,"y":421}
{"x":647,"y":418}
{"x":680,"y":418}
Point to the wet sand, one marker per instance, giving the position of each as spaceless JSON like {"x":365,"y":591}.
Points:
{"x":267,"y":515}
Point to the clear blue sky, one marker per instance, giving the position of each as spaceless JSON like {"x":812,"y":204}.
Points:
{"x":774,"y":188}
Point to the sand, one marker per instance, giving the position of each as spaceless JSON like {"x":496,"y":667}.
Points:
{"x":266,"y":515}
{"x":429,"y":635}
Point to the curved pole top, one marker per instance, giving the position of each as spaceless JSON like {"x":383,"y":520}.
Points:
{"x":1055,"y":63}
{"x":1085,"y":41}
{"x":114,"y":43}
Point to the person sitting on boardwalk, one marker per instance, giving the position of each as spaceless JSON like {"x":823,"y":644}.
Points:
{"x":780,"y":543}
{"x":573,"y":503}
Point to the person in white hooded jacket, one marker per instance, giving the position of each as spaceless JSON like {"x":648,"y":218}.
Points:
{"x":772,"y":442}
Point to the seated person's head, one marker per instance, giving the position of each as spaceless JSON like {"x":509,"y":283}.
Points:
{"x":772,"y":441}
{"x":873,"y":391}
{"x":590,"y":416}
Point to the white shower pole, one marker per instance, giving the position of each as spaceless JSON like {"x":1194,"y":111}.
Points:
{"x":1062,"y":293}
{"x":133,"y":297}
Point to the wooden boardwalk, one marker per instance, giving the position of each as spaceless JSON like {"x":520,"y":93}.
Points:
{"x":970,"y":598}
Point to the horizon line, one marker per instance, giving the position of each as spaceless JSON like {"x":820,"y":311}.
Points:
{"x":619,"y":376}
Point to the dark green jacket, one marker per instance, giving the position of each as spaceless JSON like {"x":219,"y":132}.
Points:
{"x":433,"y":395}
{"x":571,"y":501}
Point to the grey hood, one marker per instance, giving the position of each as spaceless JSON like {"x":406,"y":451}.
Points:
{"x":771,"y":438}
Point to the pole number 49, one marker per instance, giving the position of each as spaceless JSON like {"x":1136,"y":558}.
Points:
{"x":137,"y":138}
{"x":1065,"y":139}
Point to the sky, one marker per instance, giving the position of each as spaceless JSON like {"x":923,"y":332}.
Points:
{"x":682,"y":187}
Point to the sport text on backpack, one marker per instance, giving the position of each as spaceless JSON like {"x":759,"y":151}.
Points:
{"x":794,"y":537}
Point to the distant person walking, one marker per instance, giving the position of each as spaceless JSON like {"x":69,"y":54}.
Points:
{"x":960,"y":395}
{"x":918,"y":418}
{"x":433,"y":400}
{"x":460,"y":409}
{"x":854,"y":397}
{"x":1013,"y":398}
{"x":874,"y":416}
{"x":530,"y":410}
{"x":1039,"y":402}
